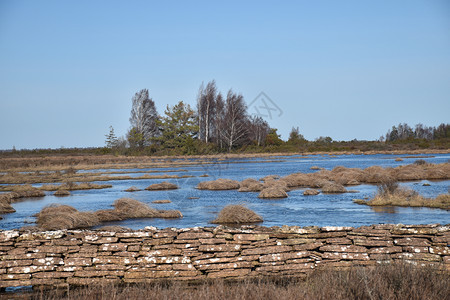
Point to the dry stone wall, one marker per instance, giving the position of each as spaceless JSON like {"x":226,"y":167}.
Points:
{"x":79,"y":257}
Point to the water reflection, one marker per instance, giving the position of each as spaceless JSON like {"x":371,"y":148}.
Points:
{"x":384,"y":209}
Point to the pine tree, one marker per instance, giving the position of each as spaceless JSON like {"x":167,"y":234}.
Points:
{"x":111,"y":138}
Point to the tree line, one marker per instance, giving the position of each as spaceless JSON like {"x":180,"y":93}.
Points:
{"x":403,"y":132}
{"x":220,"y":123}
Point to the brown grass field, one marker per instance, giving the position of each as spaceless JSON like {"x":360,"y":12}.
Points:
{"x":396,"y":281}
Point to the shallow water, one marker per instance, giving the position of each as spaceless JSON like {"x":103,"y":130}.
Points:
{"x":321,"y":210}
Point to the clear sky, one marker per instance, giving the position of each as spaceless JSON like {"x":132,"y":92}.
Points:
{"x":344,"y":69}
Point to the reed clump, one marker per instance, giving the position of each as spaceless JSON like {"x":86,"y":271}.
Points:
{"x":162,"y":186}
{"x":126,"y":208}
{"x":391,"y":194}
{"x":132,"y":189}
{"x":237,"y":214}
{"x":219,"y":184}
{"x":56,"y":217}
{"x":273,"y":193}
{"x":61,"y":193}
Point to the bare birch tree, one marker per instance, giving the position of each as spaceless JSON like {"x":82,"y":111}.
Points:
{"x":235,"y":119}
{"x":143,"y":117}
{"x":258,"y":130}
{"x":206,"y":107}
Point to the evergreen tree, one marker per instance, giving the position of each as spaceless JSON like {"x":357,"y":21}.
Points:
{"x":111,"y":138}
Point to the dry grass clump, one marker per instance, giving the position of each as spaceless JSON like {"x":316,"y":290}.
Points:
{"x":126,"y":208}
{"x":61,"y":193}
{"x":391,"y":194}
{"x":251,"y":187}
{"x":161,"y":201}
{"x":5,"y":204}
{"x":237,"y":214}
{"x":333,"y":188}
{"x":72,"y":186}
{"x":297,"y":180}
{"x":377,"y":174}
{"x":269,"y":177}
{"x":219,"y":184}
{"x":132,"y":189}
{"x":56,"y":217}
{"x":273,"y":193}
{"x":162,"y":186}
{"x":310,"y":192}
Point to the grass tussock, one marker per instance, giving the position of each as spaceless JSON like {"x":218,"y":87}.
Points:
{"x":273,"y":193}
{"x":219,"y":184}
{"x":126,"y":208}
{"x":397,"y":281}
{"x":61,"y":193}
{"x":162,"y":201}
{"x":310,"y":192}
{"x":56,"y":217}
{"x":162,"y":186}
{"x":237,"y":214}
{"x":333,"y":188}
{"x":391,"y":194}
{"x":132,"y":189}
{"x":250,"y":185}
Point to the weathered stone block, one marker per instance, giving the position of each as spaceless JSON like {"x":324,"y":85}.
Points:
{"x":219,"y":248}
{"x":103,"y":260}
{"x":98,"y":273}
{"x":373,"y":242}
{"x":385,"y":250}
{"x":218,"y":266}
{"x":194,"y":235}
{"x":15,"y":263}
{"x":163,"y":260}
{"x":78,"y":261}
{"x":309,"y":246}
{"x":339,"y":241}
{"x":345,"y":256}
{"x":418,"y":256}
{"x":8,"y":235}
{"x":29,"y":269}
{"x":160,"y":274}
{"x":267,"y":250}
{"x":414,"y":230}
{"x":212,"y":241}
{"x":410,"y":241}
{"x":229,"y":273}
{"x":278,"y":268}
{"x":441,"y":250}
{"x":134,"y":234}
{"x":162,"y":252}
{"x":15,"y":276}
{"x":295,"y":241}
{"x":226,"y":254}
{"x":48,"y":261}
{"x":113,"y":247}
{"x":343,"y":248}
{"x":52,"y":275}
{"x":283,"y":256}
{"x":251,"y":237}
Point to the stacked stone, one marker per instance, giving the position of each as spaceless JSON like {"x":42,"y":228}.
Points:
{"x":76,"y":257}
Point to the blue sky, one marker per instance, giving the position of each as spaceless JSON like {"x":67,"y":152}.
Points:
{"x":344,"y":69}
